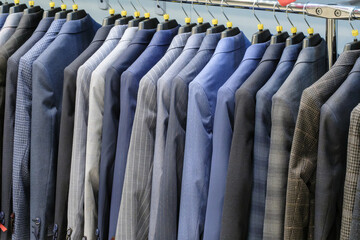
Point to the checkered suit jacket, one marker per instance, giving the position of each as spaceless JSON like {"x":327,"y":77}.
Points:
{"x":300,"y":197}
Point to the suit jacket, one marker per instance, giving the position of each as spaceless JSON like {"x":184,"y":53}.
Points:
{"x":262,"y":137}
{"x":300,"y":195}
{"x":175,"y":139}
{"x":81,"y":122}
{"x":223,"y":129}
{"x":10,"y":26}
{"x":331,"y":159}
{"x":235,"y":218}
{"x":159,"y":214}
{"x":352,"y":163}
{"x":353,"y":153}
{"x":198,"y":146}
{"x":10,"y":102}
{"x":48,"y":76}
{"x":66,"y":132}
{"x":133,"y":220}
{"x":285,"y":106}
{"x":22,"y":134}
{"x":109,"y":199}
{"x":3,"y":18}
{"x":93,"y":142}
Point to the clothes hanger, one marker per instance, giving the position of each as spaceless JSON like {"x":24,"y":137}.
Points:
{"x":281,"y":36}
{"x":52,"y":11}
{"x":216,"y":28}
{"x":63,"y":13}
{"x":230,"y":31}
{"x":76,"y":14}
{"x":296,"y":37}
{"x":313,"y":39}
{"x":355,"y":45}
{"x":148,"y":23}
{"x":112,"y":18}
{"x":188,"y":25}
{"x":201,"y":26}
{"x":32,"y":8}
{"x":5,"y":8}
{"x":124,"y":20}
{"x":17,"y":7}
{"x":135,"y":22}
{"x":168,"y":23}
{"x":262,"y":35}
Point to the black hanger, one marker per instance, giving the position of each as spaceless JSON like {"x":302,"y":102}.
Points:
{"x":295,"y":39}
{"x":312,"y":40}
{"x":261,"y":36}
{"x":62,"y":14}
{"x":201,"y":27}
{"x":123,"y":20}
{"x":5,"y":8}
{"x":32,"y":9}
{"x":186,"y":28}
{"x":355,"y":45}
{"x":216,"y":28}
{"x":148,"y":23}
{"x":279,"y":38}
{"x":230,"y":31}
{"x":76,"y":14}
{"x":51,"y":12}
{"x":135,"y":22}
{"x":18,"y":8}
{"x":111,"y":19}
{"x":167,"y":24}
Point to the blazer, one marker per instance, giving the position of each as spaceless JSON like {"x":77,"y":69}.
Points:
{"x":93,"y":141}
{"x":81,"y":122}
{"x":159,"y":216}
{"x":235,"y":218}
{"x":352,"y":163}
{"x":10,"y":102}
{"x":332,"y":147}
{"x":10,"y":26}
{"x":66,"y":132}
{"x":285,"y":107}
{"x":22,"y":133}
{"x":300,"y":195}
{"x":48,"y":76}
{"x":353,"y":148}
{"x":198,"y":146}
{"x":133,"y":221}
{"x":3,"y":18}
{"x":109,"y":199}
{"x":262,"y":138}
{"x":175,"y":139}
{"x":223,"y":128}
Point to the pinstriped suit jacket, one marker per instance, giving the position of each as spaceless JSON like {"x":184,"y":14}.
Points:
{"x":159,"y":215}
{"x":10,"y":102}
{"x":133,"y":221}
{"x":67,"y":128}
{"x":80,"y":128}
{"x":300,"y":196}
{"x":285,"y":106}
{"x":22,"y":135}
{"x":331,"y":162}
{"x":352,"y":168}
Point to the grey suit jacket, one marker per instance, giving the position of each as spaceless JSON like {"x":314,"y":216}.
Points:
{"x":133,"y":221}
{"x":300,"y":196}
{"x":285,"y":106}
{"x":9,"y":27}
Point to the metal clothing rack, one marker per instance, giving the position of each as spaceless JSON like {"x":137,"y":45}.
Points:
{"x":331,"y":12}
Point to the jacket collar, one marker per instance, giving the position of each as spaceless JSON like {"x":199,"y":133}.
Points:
{"x":30,"y":20}
{"x":163,"y":37}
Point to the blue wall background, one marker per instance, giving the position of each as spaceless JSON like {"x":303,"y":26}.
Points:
{"x":242,"y":18}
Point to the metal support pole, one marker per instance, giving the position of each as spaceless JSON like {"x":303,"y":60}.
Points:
{"x":331,"y":35}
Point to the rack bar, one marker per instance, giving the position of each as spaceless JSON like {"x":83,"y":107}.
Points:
{"x":330,"y":12}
